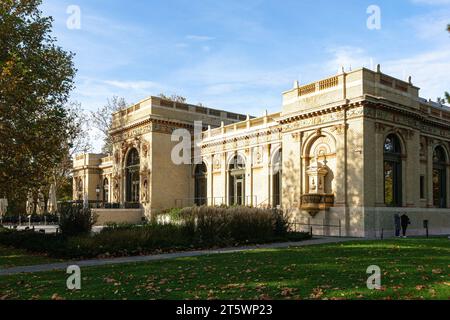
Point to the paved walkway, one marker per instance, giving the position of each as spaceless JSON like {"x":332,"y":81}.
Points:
{"x":166,"y":256}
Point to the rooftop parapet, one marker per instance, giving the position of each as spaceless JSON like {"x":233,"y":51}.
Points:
{"x":244,"y":126}
{"x":173,"y":110}
{"x":88,"y":160}
{"x":346,"y":86}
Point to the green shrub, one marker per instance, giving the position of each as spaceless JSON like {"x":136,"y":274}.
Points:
{"x":200,"y":227}
{"x":118,"y":226}
{"x":222,"y":225}
{"x":34,"y":242}
{"x":76,"y":220}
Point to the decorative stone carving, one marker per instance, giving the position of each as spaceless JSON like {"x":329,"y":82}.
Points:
{"x":258,"y":155}
{"x":339,"y":129}
{"x":144,"y":196}
{"x":216,"y":163}
{"x":117,"y":157}
{"x":145,"y":150}
{"x":316,"y":175}
{"x":297,"y":136}
{"x":116,"y":191}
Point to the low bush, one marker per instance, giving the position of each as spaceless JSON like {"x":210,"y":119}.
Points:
{"x":76,"y":220}
{"x":198,"y":227}
{"x":224,"y":225}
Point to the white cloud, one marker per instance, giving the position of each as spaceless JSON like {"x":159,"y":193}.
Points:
{"x":431,"y":27}
{"x":133,"y":85}
{"x":431,"y":2}
{"x":348,"y":57}
{"x":429,"y":69}
{"x":200,"y":38}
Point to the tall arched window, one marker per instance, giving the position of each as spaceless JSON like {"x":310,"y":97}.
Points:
{"x":80,"y":189}
{"x":132,"y":176}
{"x":106,"y":190}
{"x":237,"y":181}
{"x":200,"y":184}
{"x":276,"y":178}
{"x":439,"y":178}
{"x":392,"y":171}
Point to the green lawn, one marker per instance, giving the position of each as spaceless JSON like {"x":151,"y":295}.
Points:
{"x":411,"y":269}
{"x":11,"y":257}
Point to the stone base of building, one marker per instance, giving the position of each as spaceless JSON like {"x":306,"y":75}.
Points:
{"x":372,"y":222}
{"x":380,"y":221}
{"x":108,"y":216}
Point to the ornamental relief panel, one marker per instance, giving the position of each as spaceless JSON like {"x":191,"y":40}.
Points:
{"x":329,"y":117}
{"x":133,"y":133}
{"x":407,"y":121}
{"x":217,"y":165}
{"x":258,"y":155}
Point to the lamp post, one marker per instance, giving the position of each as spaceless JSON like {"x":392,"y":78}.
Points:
{"x":97,"y":191}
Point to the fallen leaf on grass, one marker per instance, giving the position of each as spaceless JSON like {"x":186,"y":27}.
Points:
{"x":57,"y":297}
{"x":286,"y":292}
{"x":420,"y":287}
{"x":317,"y":293}
{"x":436,"y":271}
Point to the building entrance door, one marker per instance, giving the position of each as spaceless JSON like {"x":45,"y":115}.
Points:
{"x":239,"y":196}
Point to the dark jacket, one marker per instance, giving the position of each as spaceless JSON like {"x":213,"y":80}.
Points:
{"x":405,"y":220}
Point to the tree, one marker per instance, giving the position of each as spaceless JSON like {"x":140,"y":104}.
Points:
{"x":447,"y":95}
{"x":102,"y":120}
{"x":174,"y":98}
{"x":36,"y":77}
{"x":78,"y":141}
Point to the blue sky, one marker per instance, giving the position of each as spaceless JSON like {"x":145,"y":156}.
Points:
{"x":240,"y":55}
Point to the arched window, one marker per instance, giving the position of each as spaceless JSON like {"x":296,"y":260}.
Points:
{"x":439,"y":178}
{"x":392,"y":171}
{"x":80,"y":189}
{"x":237,"y":181}
{"x":106,"y":190}
{"x":132,"y":176}
{"x":200,"y":184}
{"x":276,"y":178}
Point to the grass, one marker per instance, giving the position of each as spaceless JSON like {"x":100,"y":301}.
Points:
{"x":411,"y":269}
{"x":11,"y":257}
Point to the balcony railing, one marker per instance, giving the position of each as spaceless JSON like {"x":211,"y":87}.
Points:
{"x":104,"y":205}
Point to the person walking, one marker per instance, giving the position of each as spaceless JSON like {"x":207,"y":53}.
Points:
{"x":397,"y":224}
{"x":404,"y":219}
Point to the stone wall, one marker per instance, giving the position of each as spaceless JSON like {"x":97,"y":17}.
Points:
{"x":105,"y":216}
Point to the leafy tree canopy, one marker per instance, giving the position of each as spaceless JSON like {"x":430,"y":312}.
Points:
{"x":36,"y":77}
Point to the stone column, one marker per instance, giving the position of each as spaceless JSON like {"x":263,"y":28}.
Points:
{"x":379,"y":165}
{"x":210,"y":182}
{"x":412,"y":178}
{"x":341,"y":164}
{"x":429,"y":173}
{"x":248,"y":200}
{"x":223,"y":173}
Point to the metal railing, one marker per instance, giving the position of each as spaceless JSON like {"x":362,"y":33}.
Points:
{"x":216,"y":201}
{"x":93,"y":204}
{"x":189,"y":202}
{"x":318,"y":229}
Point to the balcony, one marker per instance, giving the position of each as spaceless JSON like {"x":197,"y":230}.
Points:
{"x":313,"y":203}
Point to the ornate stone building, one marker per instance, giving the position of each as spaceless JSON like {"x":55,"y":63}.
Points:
{"x":344,"y":155}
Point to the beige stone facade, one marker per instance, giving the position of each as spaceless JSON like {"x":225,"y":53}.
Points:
{"x":350,"y":151}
